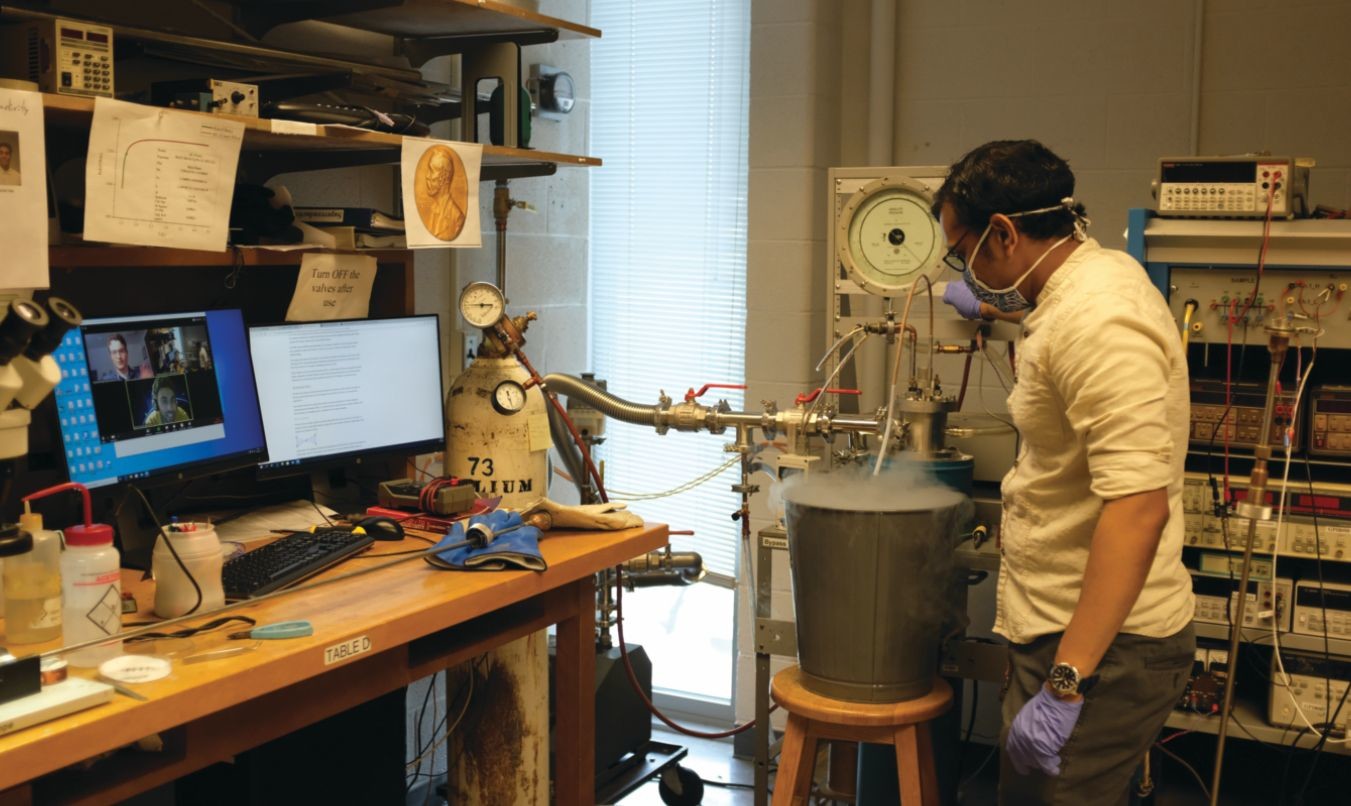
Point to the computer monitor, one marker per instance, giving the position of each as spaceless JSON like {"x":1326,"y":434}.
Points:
{"x":332,"y":392}
{"x":146,"y":398}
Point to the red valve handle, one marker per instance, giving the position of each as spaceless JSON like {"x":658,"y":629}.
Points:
{"x":808,"y":397}
{"x":691,"y":395}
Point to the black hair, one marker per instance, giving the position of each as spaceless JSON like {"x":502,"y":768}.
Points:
{"x":163,"y":382}
{"x":1010,"y":176}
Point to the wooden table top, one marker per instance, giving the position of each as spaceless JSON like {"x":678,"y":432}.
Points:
{"x":391,"y":607}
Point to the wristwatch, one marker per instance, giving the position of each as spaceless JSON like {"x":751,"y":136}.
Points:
{"x":1065,"y":681}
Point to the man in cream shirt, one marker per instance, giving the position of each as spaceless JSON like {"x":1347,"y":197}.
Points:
{"x":1092,"y":594}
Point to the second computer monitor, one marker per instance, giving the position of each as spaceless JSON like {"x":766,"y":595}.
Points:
{"x":337,"y":391}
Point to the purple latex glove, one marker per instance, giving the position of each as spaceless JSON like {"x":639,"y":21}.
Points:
{"x":1039,"y":731}
{"x":960,"y":297}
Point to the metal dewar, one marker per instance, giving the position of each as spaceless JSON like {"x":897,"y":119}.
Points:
{"x":871,"y":589}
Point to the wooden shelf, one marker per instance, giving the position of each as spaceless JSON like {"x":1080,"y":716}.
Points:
{"x":107,"y":256}
{"x":266,"y":137}
{"x":468,"y":20}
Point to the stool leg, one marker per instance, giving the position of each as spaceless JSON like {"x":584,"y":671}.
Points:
{"x":797,"y":763}
{"x":915,"y":766}
{"x":928,"y":771}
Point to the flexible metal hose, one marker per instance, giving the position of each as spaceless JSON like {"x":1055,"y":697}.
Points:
{"x":609,"y":405}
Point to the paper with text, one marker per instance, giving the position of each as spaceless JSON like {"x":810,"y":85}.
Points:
{"x":440,"y":193}
{"x":23,"y":191}
{"x":332,"y":286}
{"x":158,"y":177}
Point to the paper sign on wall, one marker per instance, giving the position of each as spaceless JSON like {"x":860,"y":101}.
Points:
{"x":23,"y":191}
{"x":332,"y":286}
{"x":157,"y":177}
{"x":440,"y":193}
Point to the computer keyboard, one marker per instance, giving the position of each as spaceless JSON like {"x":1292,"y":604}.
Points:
{"x":288,"y":560}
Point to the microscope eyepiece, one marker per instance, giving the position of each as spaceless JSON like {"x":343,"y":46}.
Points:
{"x":24,"y":318}
{"x":63,"y":318}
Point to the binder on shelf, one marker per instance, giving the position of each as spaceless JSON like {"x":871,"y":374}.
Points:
{"x":362,"y":218}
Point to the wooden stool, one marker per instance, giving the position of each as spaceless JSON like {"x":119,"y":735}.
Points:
{"x":812,"y":717}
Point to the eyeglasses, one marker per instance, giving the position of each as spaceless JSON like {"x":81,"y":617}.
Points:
{"x":954,"y":258}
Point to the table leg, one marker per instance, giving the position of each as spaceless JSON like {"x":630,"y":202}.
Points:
{"x":575,"y":700}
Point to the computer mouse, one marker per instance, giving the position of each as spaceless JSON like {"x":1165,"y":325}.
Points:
{"x":381,"y":528}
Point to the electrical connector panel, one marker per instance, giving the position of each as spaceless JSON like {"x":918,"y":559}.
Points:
{"x":1316,"y":298}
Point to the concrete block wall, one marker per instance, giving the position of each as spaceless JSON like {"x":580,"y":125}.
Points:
{"x":547,"y":256}
{"x":1107,"y":85}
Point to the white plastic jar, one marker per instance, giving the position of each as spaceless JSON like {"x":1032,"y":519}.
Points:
{"x":91,"y":581}
{"x":199,"y":549}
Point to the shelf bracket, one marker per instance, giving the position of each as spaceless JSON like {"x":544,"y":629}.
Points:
{"x":501,"y":61}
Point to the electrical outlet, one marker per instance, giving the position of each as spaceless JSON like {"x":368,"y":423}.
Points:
{"x":469,"y":347}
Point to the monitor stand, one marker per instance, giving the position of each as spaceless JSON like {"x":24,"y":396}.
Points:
{"x":135,"y":531}
{"x":350,"y":488}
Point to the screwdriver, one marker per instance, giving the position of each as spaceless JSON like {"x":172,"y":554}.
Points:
{"x":275,"y":632}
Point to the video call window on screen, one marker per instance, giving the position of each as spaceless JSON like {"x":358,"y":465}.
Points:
{"x":158,"y":376}
{"x":154,"y":396}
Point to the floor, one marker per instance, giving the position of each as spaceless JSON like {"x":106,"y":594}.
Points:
{"x":1254,"y":775}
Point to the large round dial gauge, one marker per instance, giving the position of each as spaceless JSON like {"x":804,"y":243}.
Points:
{"x":886,"y":238}
{"x":482,"y":304}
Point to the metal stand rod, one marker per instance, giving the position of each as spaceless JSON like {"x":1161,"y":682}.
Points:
{"x":501,"y":209}
{"x":1254,"y":510}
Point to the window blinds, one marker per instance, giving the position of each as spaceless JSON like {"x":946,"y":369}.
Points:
{"x":669,"y":106}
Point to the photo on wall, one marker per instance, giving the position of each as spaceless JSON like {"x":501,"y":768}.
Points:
{"x":10,"y":174}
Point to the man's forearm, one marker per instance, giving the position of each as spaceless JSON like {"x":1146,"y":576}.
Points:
{"x":1125,"y":541}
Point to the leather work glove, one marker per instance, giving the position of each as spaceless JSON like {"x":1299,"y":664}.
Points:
{"x":1039,"y":731}
{"x":604,"y":517}
{"x":960,"y":297}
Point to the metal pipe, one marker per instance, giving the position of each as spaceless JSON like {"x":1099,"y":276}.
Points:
{"x":1254,"y":510}
{"x":611,"y":406}
{"x":882,"y":82}
{"x":1198,"y":42}
{"x":501,"y":209}
{"x":664,"y":567}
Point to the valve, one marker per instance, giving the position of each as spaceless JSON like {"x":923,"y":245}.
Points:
{"x":691,"y":395}
{"x":808,"y":397}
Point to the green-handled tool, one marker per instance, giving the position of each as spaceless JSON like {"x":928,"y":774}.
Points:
{"x":275,"y":632}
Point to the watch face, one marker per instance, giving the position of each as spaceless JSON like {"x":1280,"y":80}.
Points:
{"x":1064,"y":678}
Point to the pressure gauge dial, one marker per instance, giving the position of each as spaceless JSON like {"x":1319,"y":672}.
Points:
{"x":482,"y":304}
{"x":887,"y":238}
{"x":509,"y":397}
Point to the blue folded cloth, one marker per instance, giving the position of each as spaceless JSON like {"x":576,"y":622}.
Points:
{"x":515,"y":546}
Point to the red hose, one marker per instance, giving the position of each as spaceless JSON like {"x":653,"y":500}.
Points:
{"x":619,"y":572}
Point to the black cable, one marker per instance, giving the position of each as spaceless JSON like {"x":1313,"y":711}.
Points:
{"x":160,"y":534}
{"x":417,"y":736}
{"x":1285,"y":767}
{"x":728,"y":784}
{"x":315,"y":504}
{"x":397,"y":553}
{"x":1331,"y":721}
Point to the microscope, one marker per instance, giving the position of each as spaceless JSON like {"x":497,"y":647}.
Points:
{"x":29,"y":333}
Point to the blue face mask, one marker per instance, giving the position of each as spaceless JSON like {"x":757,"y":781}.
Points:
{"x":1010,"y":299}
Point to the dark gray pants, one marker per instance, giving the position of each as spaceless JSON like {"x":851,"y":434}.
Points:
{"x":1139,"y":681}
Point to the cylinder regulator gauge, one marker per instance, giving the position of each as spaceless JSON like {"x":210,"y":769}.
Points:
{"x":887,"y":238}
{"x":509,"y":397}
{"x":482,"y":304}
